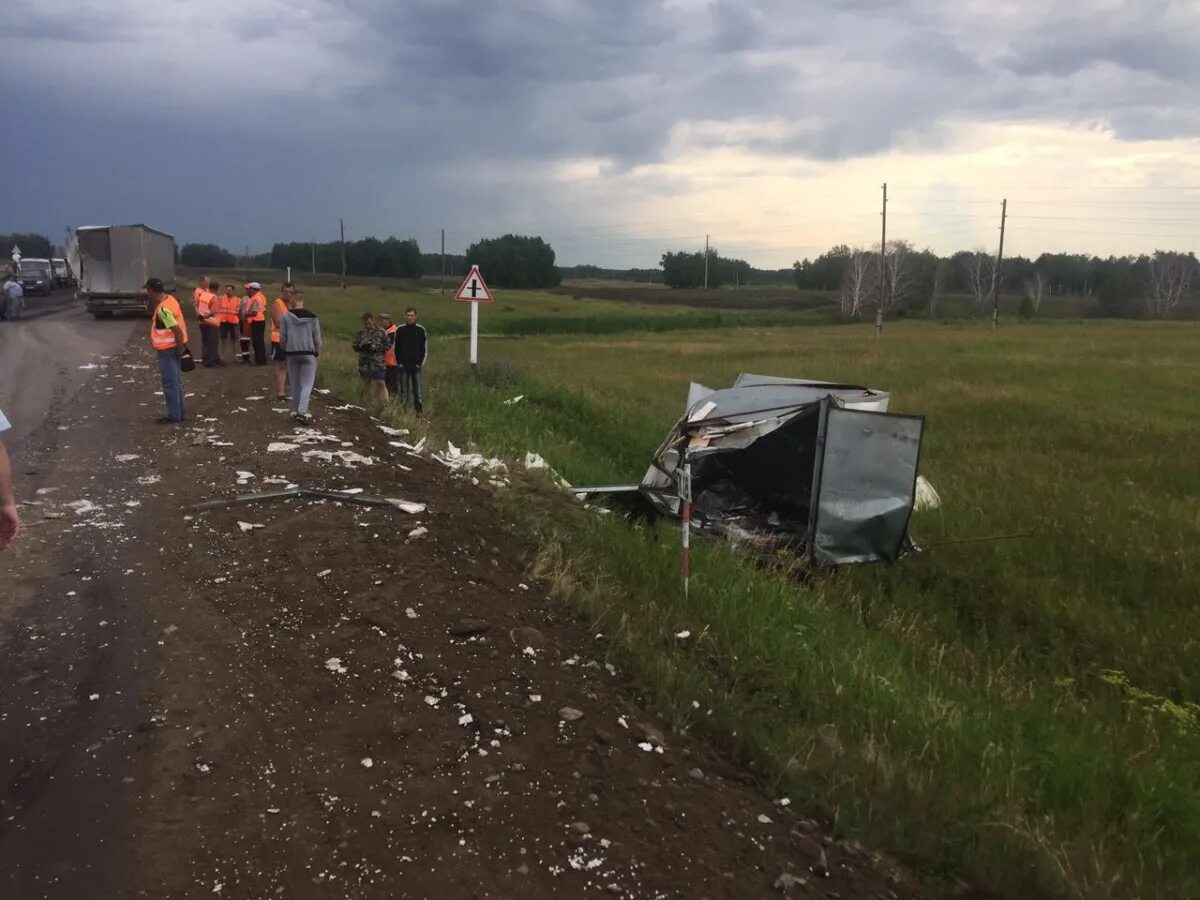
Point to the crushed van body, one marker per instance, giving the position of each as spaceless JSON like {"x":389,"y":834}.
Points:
{"x":815,"y":464}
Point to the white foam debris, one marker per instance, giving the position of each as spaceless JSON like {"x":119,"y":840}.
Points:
{"x":683,"y":635}
{"x":256,"y":397}
{"x":334,"y":664}
{"x":418,"y":532}
{"x":927,"y":497}
{"x":281,"y":447}
{"x":348,"y":458}
{"x":513,"y":401}
{"x":324,"y":572}
{"x":393,"y":432}
{"x":466,"y":719}
{"x":249,"y":526}
{"x":149,"y":479}
{"x":126,"y":457}
{"x":82,"y":507}
{"x":367,"y":762}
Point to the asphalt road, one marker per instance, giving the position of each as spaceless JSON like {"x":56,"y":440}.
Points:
{"x":40,"y":358}
{"x":69,"y":625}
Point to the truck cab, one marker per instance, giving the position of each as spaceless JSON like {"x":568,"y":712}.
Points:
{"x":36,"y":276}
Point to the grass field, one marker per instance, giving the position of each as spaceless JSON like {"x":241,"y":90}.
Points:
{"x":1018,"y":712}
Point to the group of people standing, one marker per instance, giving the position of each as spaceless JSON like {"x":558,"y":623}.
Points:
{"x":390,"y":356}
{"x":240,"y":322}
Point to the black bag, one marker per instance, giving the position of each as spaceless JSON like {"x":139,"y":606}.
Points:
{"x":186,"y":362}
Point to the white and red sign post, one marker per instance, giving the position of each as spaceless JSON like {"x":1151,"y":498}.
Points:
{"x":474,"y":290}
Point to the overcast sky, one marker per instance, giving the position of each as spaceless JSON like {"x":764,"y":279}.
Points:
{"x":615,"y":129}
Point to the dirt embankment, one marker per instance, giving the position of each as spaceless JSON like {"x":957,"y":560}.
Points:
{"x":348,"y":701}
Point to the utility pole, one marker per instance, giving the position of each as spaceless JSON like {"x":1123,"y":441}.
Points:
{"x":882,"y":266}
{"x":342,"y":227}
{"x":996,"y":270}
{"x":442,"y":289}
{"x":313,"y":246}
{"x":706,"y":262}
{"x":247,"y":263}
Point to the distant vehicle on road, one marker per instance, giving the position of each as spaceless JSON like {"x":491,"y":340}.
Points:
{"x":36,"y":276}
{"x":63,"y":275}
{"x":114,"y":263}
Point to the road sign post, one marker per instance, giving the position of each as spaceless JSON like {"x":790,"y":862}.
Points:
{"x":474,"y":290}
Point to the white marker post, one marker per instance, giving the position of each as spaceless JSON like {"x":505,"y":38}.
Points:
{"x":474,"y":290}
{"x":474,"y":334}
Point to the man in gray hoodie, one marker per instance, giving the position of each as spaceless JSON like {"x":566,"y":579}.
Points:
{"x":300,"y":342}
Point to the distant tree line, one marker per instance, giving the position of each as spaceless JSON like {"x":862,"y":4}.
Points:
{"x":513,"y":261}
{"x":206,"y":256}
{"x":1123,"y":286}
{"x":36,"y":245}
{"x":686,"y":269}
{"x":390,"y":257}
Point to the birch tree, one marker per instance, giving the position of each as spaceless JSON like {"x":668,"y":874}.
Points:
{"x":1035,"y":289}
{"x":978,"y":271}
{"x":1170,"y":277}
{"x":856,"y":281}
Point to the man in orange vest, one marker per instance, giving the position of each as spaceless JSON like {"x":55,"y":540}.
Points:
{"x":206,"y":312}
{"x":228,"y":313}
{"x":279,"y":309}
{"x":200,"y":289}
{"x":391,"y":375}
{"x":256,"y":315}
{"x":168,"y":337}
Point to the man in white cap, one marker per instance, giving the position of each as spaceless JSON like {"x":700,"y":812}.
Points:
{"x":256,"y":315}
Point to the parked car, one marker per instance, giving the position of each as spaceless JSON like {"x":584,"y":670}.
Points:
{"x":36,"y":276}
{"x":63,"y":276}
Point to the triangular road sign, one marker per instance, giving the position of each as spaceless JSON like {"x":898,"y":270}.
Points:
{"x":474,"y":289}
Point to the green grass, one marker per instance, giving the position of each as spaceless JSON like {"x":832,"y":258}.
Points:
{"x":1021,"y":712}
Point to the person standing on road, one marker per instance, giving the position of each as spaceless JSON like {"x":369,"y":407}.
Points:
{"x":206,"y":312}
{"x":300,"y":342}
{"x":391,"y":369}
{"x":10,"y":522}
{"x":412,"y":349}
{"x":371,"y":342}
{"x":13,"y":299}
{"x":228,"y":314}
{"x":256,"y":315}
{"x":168,"y":337}
{"x":279,"y":309}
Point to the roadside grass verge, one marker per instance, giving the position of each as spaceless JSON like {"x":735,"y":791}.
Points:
{"x":1022,"y":713}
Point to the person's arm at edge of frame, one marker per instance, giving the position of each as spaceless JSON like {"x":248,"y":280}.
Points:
{"x":10,"y":522}
{"x":424,"y":346}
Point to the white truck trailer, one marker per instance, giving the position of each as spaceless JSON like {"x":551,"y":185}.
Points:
{"x":114,"y":263}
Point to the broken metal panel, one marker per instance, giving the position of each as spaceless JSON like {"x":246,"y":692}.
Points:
{"x":865,"y":485}
{"x":851,"y":395}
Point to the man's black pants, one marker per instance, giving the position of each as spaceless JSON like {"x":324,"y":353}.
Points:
{"x":210,"y":353}
{"x":258,"y":333}
{"x":410,"y":383}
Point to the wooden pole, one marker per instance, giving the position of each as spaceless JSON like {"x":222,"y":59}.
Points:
{"x":342,"y":227}
{"x":882,"y":267}
{"x":996,"y":270}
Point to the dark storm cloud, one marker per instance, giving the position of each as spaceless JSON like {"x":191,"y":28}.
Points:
{"x":417,"y":113}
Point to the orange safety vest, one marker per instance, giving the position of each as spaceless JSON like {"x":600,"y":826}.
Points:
{"x":228,"y":307}
{"x":283,"y":311}
{"x":164,"y":338}
{"x":256,"y":310}
{"x":389,"y":356}
{"x":206,"y":307}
